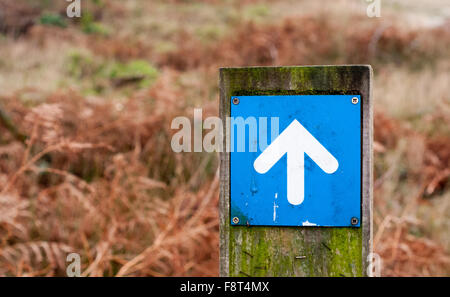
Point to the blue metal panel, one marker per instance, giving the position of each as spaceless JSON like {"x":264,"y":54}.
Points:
{"x":331,"y":198}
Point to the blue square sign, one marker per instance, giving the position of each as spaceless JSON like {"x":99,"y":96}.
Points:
{"x":295,"y":160}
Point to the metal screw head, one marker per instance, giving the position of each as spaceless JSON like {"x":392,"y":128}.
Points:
{"x":235,"y":101}
{"x":355,"y":100}
{"x":354,"y":221}
{"x":235,"y":220}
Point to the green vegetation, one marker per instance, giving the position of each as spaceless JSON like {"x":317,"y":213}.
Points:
{"x":138,"y":73}
{"x":256,"y":12}
{"x":50,"y":19}
{"x":90,"y":26}
{"x":138,"y":69}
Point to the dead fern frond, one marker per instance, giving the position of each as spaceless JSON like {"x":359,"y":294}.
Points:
{"x":12,"y":212}
{"x":37,"y":254}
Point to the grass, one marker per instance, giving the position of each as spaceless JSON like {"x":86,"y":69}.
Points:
{"x":97,"y":177}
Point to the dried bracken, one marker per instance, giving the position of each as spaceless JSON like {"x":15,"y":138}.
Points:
{"x":310,"y":40}
{"x":90,"y":170}
{"x":71,"y":143}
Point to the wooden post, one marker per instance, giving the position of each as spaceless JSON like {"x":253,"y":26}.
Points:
{"x":297,"y":251}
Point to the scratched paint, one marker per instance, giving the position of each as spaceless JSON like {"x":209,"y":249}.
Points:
{"x":275,"y":206}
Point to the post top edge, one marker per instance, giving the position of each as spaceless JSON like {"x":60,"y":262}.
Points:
{"x":296,"y":66}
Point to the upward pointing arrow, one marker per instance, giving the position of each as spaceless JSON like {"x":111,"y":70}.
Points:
{"x":295,"y":141}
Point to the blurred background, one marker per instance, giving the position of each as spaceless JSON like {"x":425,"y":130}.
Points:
{"x":86,"y":105}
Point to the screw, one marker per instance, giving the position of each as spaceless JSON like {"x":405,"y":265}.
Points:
{"x":235,"y":220}
{"x":235,"y":101}
{"x":354,"y":221}
{"x":355,"y":100}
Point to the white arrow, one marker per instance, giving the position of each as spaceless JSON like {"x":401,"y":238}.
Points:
{"x":295,"y":140}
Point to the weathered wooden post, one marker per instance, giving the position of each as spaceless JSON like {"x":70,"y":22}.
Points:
{"x":309,"y":214}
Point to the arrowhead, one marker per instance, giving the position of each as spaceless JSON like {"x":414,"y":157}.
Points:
{"x":295,"y":140}
{"x":315,"y":150}
{"x":285,"y":142}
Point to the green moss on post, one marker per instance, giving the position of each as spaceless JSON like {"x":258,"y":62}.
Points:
{"x":297,"y":251}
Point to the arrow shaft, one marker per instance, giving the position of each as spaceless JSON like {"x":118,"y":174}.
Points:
{"x":295,"y":177}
